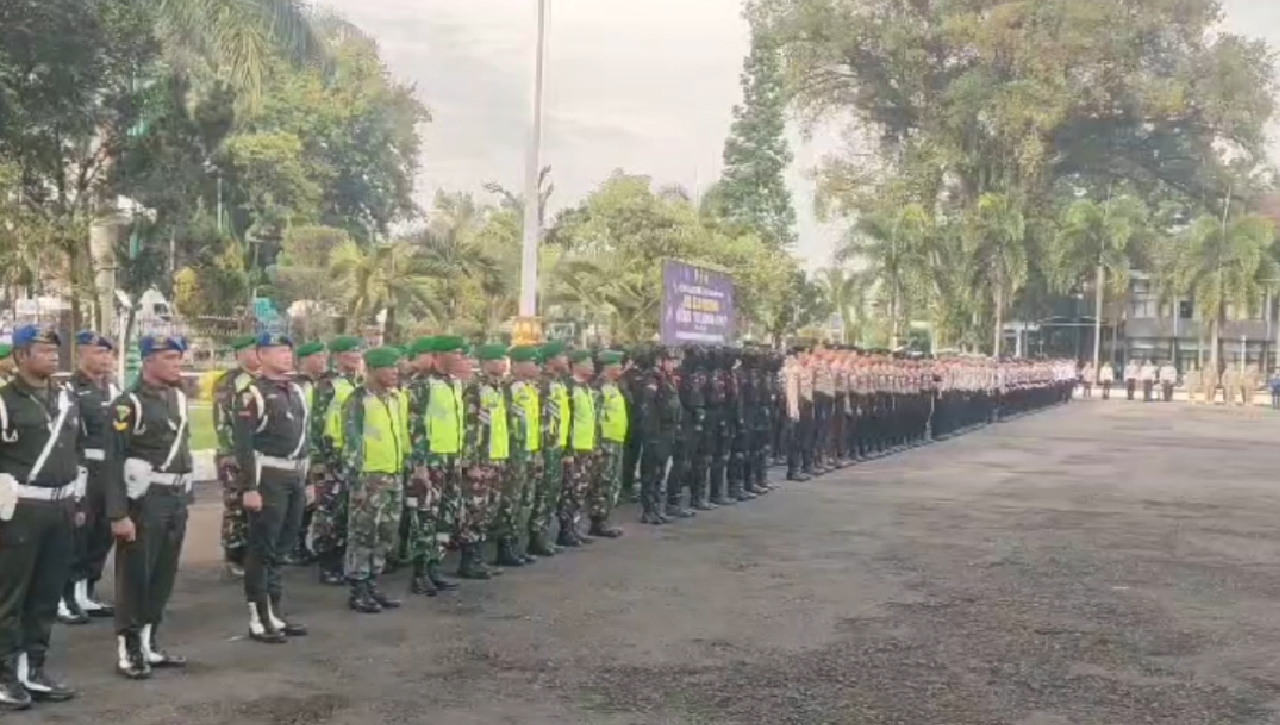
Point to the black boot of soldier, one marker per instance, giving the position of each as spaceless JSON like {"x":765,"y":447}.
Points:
{"x":330,"y":572}
{"x":568,"y":536}
{"x":69,"y":611}
{"x":600,"y":527}
{"x":507,"y":555}
{"x":419,"y":583}
{"x":469,"y":564}
{"x":262,"y":627}
{"x":39,"y":684}
{"x":539,"y":546}
{"x":735,"y":490}
{"x":131,"y":661}
{"x":381,"y":597}
{"x":361,"y":601}
{"x":437,"y":578}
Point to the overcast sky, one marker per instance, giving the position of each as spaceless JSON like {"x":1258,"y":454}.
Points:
{"x":643,"y":85}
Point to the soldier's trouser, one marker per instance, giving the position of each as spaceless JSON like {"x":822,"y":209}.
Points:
{"x":1129,"y":387}
{"x":719,"y":465}
{"x":374,"y":504}
{"x":432,"y":517}
{"x":781,"y":425}
{"x":234,"y":526}
{"x":329,"y":521}
{"x":1106,"y":389}
{"x":758,"y":454}
{"x":821,"y":429}
{"x":631,"y":456}
{"x":654,"y":460}
{"x":272,"y":532}
{"x":35,"y":555}
{"x":606,"y":481}
{"x":694,"y":463}
{"x":147,"y":567}
{"x":510,"y":520}
{"x":837,"y":427}
{"x":546,"y":493}
{"x":578,"y":472}
{"x":1168,"y":391}
{"x":798,"y":452}
{"x":1147,"y":386}
{"x":481,"y":483}
{"x":93,"y":540}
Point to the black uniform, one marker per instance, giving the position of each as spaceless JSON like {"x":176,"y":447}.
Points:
{"x":271,"y":437}
{"x":659,"y":419}
{"x":40,"y":438}
{"x":147,"y":477}
{"x":719,"y":406}
{"x":93,"y":540}
{"x":692,"y":454}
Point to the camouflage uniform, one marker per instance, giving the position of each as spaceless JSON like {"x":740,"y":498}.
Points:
{"x":226,"y":394}
{"x":512,"y":518}
{"x":580,"y":465}
{"x":607,"y":482}
{"x":434,"y":496}
{"x":329,"y":517}
{"x":484,"y":467}
{"x":546,"y":495}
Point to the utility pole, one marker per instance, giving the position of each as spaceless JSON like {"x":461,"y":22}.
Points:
{"x":527,"y":327}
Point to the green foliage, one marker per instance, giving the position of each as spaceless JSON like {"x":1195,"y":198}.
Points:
{"x":217,"y":286}
{"x":753,"y":191}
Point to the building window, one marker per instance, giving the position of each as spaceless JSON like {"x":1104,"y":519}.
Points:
{"x":1142,"y":307}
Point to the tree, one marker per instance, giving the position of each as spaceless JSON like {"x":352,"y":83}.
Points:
{"x":753,"y":190}
{"x":891,"y":245}
{"x":385,"y":278}
{"x":996,"y":243}
{"x":1220,"y":262}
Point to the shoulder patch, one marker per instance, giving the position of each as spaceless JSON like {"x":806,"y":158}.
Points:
{"x":123,"y":411}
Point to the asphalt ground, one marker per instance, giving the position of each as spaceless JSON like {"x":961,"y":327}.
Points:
{"x":1102,"y":563}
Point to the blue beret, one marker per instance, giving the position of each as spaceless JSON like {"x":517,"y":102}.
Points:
{"x":28,"y":334}
{"x":267,"y":339}
{"x":89,"y":338}
{"x":161,"y":343}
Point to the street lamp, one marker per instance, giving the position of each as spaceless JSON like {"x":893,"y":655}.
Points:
{"x":532,"y":194}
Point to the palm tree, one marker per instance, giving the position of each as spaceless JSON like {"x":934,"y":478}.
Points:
{"x":388,"y":276}
{"x":890,"y":247}
{"x":236,"y":39}
{"x":1220,"y":262}
{"x":994,"y":243}
{"x":846,"y":292}
{"x":1099,"y":237}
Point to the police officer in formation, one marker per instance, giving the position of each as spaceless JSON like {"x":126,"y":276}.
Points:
{"x":441,"y":458}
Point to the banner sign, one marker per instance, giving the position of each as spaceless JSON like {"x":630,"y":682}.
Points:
{"x":697,"y":305}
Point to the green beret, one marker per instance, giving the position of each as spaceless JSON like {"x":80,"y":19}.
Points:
{"x":243,"y":342}
{"x":492,"y":351}
{"x":422,"y":345}
{"x":450,"y":343}
{"x":552,"y":349}
{"x":523,"y":353}
{"x":578,"y":356}
{"x":345,"y":343}
{"x":381,"y":357}
{"x":611,"y":357}
{"x":5,"y":350}
{"x":308,"y":349}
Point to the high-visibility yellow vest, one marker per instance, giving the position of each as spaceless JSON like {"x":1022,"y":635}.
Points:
{"x":333,"y":416}
{"x":444,"y":417}
{"x":613,"y":414}
{"x":386,"y":434}
{"x":525,"y":395}
{"x":560,"y":393}
{"x":584,"y":419}
{"x":494,"y":403}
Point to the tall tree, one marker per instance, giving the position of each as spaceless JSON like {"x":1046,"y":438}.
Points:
{"x":753,"y":190}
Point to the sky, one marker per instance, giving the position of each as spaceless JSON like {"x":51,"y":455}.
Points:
{"x":643,"y":85}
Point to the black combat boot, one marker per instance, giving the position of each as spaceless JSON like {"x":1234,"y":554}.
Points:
{"x":13,"y":696}
{"x":379,"y":596}
{"x":90,"y":603}
{"x":361,"y":601}
{"x":420,"y":583}
{"x":330,"y":572}
{"x":538,"y":544}
{"x":69,"y":611}
{"x":506,"y":554}
{"x":285,"y":626}
{"x":600,"y":527}
{"x":568,"y":536}
{"x":522,"y":551}
{"x":39,"y":684}
{"x":131,"y":660}
{"x":469,"y":566}
{"x":436,"y":578}
{"x":155,"y":656}
{"x":261,"y":628}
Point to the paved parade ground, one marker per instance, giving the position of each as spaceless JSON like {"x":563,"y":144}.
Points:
{"x":1105,"y":563}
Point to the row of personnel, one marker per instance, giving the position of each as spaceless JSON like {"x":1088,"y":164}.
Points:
{"x":400,"y":454}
